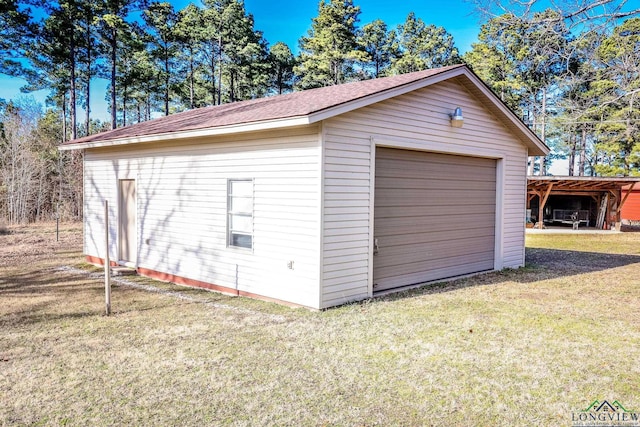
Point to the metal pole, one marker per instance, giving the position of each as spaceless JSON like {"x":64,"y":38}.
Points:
{"x":107,"y":273}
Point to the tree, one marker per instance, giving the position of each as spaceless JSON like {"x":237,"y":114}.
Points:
{"x":50,"y":55}
{"x":379,"y":44}
{"x":161,"y":20}
{"x":112,"y":23}
{"x":579,"y":15}
{"x":422,"y":46}
{"x":16,"y":29}
{"x":620,"y":130}
{"x":19,"y":163}
{"x":235,"y":52}
{"x":136,"y":77}
{"x":580,"y":93}
{"x":245,"y":56}
{"x":89,"y":11}
{"x":282,"y":62}
{"x":190,"y":35}
{"x":521,"y":60}
{"x":549,"y":41}
{"x":329,"y":52}
{"x":494,"y":59}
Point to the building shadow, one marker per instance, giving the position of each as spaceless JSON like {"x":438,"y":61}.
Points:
{"x":549,"y":263}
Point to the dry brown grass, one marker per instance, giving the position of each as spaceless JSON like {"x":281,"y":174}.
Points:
{"x":523,"y":347}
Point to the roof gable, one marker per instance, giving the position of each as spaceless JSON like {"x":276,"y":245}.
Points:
{"x":300,"y":108}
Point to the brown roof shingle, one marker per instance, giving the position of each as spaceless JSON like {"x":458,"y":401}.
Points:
{"x":296,"y":104}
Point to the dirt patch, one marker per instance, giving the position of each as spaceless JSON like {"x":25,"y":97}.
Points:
{"x":22,"y":245}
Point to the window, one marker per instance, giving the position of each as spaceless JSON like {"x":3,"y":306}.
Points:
{"x":240,"y":213}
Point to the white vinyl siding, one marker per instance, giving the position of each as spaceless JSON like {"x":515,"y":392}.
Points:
{"x":418,"y":120}
{"x":182,"y":209}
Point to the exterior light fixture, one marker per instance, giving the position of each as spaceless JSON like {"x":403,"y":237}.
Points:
{"x":456,"y":118}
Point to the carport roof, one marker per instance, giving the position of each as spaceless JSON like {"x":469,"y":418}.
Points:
{"x":579,"y":183}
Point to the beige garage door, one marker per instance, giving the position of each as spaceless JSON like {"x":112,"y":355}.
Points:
{"x":434,"y":217}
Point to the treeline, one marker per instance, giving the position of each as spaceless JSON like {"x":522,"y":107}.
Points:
{"x":37,"y":182}
{"x":574,"y":77}
{"x":161,"y":60}
{"x":571,"y":74}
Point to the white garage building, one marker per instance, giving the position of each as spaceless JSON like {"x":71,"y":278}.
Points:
{"x":317,"y":198}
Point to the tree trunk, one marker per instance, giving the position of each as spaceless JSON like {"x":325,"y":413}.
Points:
{"x":124,"y":105}
{"x":572,"y":152}
{"x":543,"y":132}
{"x":232,"y":93}
{"x":166,"y":82}
{"x":213,"y":75}
{"x":191,"y":78}
{"x":72,"y":85}
{"x":64,"y":117}
{"x":88,"y":92}
{"x":583,"y":152}
{"x":532,"y":159}
{"x":220,"y":69}
{"x":114,"y":46}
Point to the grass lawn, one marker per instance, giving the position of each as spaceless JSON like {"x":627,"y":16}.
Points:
{"x":514,"y":348}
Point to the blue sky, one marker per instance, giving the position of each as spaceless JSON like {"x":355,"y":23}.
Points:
{"x":288,"y":20}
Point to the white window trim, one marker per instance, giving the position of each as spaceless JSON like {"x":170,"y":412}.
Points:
{"x":231,"y":213}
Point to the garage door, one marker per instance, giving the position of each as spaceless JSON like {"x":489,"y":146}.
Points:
{"x":434,"y":217}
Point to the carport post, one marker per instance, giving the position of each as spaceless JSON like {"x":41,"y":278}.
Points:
{"x":543,"y":202}
{"x":107,"y":273}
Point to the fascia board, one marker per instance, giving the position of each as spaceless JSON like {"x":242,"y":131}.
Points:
{"x":198,"y":133}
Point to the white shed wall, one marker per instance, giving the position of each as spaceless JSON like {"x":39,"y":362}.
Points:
{"x":418,"y":120}
{"x":182,"y":216}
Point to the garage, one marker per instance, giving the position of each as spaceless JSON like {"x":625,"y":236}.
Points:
{"x":434,"y":217}
{"x":347,"y":191}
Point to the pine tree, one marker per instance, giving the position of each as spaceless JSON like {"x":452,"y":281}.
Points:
{"x":161,"y":20}
{"x":112,"y":24}
{"x":282,"y":62}
{"x":620,"y":130}
{"x":380,"y":45}
{"x":190,"y":36}
{"x":422,"y":47}
{"x":16,"y":29}
{"x":330,"y":51}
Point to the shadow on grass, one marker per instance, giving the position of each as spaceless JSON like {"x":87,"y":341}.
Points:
{"x":41,"y":282}
{"x":541,"y":264}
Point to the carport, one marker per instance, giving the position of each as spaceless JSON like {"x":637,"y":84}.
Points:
{"x":584,"y":201}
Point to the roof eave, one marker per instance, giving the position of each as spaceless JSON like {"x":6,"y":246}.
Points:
{"x":189,"y":134}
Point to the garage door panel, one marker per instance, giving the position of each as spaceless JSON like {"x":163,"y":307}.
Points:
{"x":434,"y":172}
{"x":399,"y":278}
{"x":431,"y":184}
{"x":434,"y":216}
{"x":447,"y":264}
{"x":404,"y":236}
{"x":389,"y":196}
{"x":409,"y":224}
{"x":424,"y":208}
{"x":404,"y":253}
{"x":410,"y":157}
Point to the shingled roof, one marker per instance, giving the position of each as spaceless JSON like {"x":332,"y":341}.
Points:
{"x":271,"y":112}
